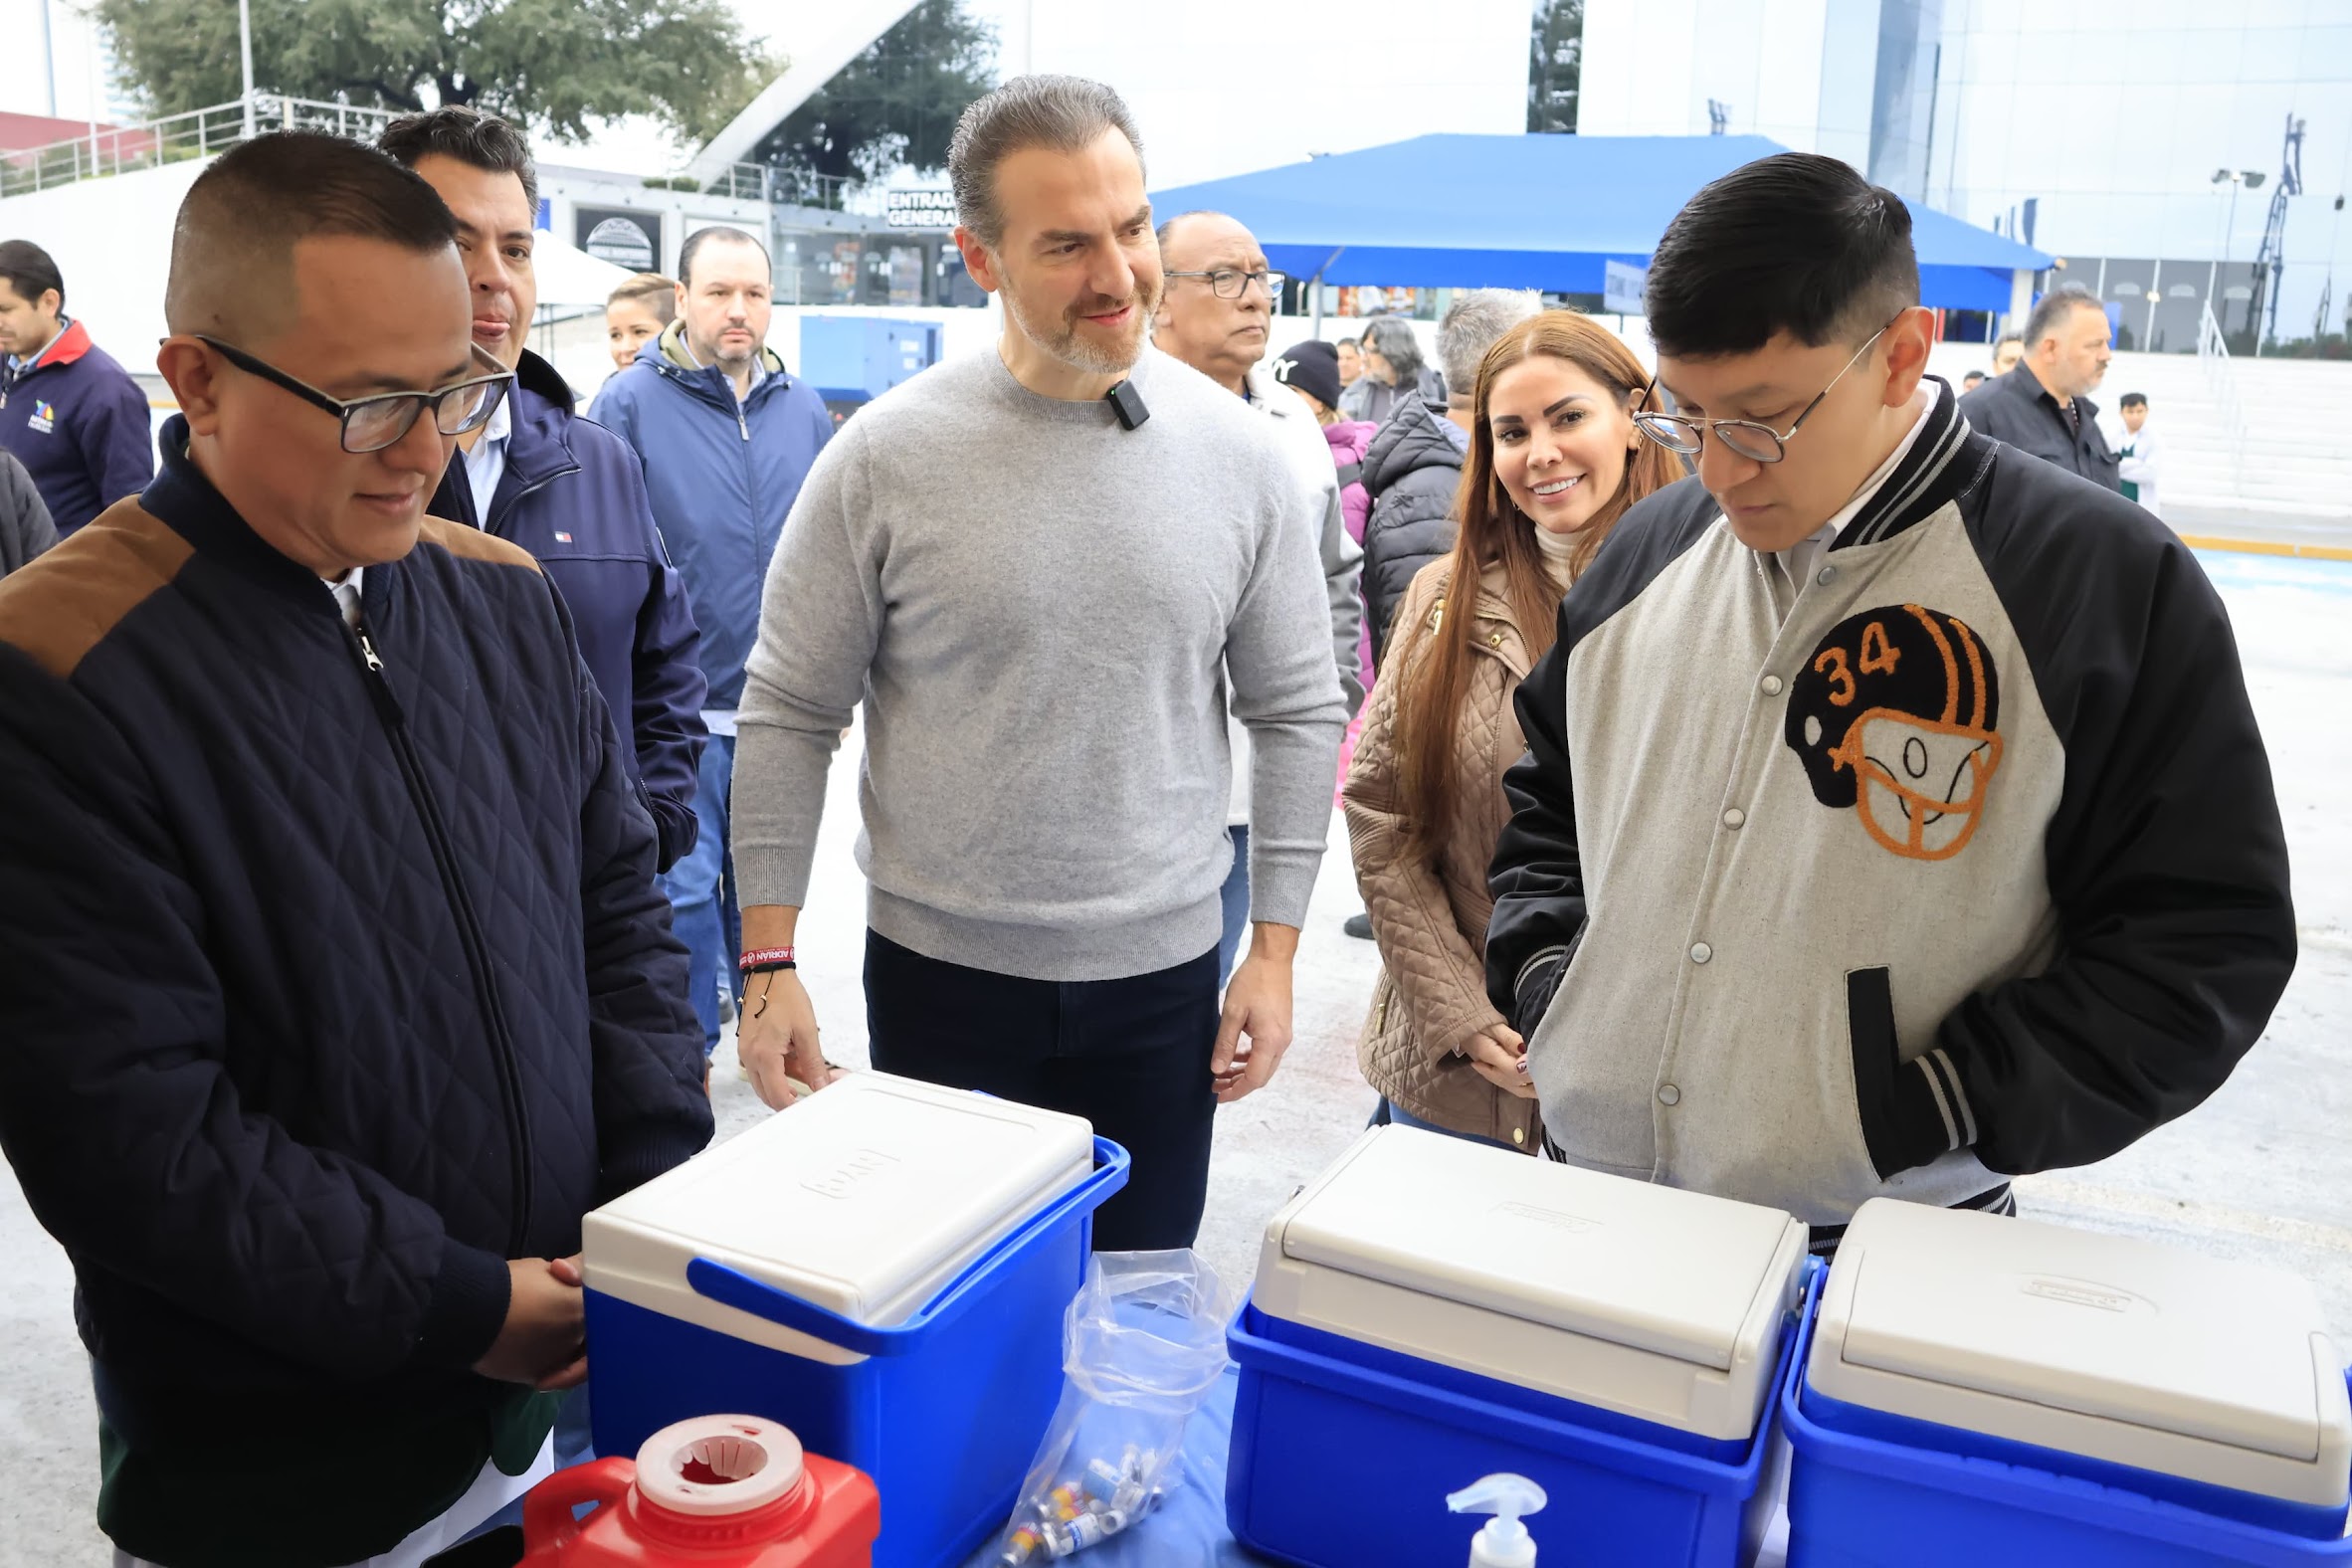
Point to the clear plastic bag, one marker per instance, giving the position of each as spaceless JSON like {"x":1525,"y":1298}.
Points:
{"x":1143,"y":1346}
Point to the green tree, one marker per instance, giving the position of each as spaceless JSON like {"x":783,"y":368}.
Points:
{"x":551,"y":63}
{"x":896,"y":101}
{"x":1555,"y":61}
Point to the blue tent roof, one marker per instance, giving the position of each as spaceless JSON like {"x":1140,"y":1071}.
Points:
{"x":1533,"y":212}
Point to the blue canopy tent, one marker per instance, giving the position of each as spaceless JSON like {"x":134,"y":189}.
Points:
{"x":1534,"y":212}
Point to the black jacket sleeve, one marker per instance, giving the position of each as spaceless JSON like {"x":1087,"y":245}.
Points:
{"x":668,"y":689}
{"x":1537,"y":876}
{"x":117,"y":1113}
{"x":645,"y":1046}
{"x":2166,"y":861}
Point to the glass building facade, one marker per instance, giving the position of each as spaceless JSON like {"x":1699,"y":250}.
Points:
{"x":2113,"y":120}
{"x":2094,"y":129}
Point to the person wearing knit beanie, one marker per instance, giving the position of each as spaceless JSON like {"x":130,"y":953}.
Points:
{"x":1312,"y":367}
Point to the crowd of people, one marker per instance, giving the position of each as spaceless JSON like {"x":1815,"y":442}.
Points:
{"x":1774,"y":774}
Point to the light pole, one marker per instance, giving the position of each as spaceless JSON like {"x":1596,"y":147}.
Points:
{"x":2251,"y":179}
{"x":245,"y":52}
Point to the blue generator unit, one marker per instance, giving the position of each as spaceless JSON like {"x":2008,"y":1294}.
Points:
{"x":853,"y":359}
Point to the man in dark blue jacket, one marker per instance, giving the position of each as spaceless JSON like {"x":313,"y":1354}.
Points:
{"x":344,"y":987}
{"x":69,"y":413}
{"x":727,"y":438}
{"x":2042,"y":405}
{"x":567,"y":491}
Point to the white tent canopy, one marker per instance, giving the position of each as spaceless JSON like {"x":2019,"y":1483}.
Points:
{"x":569,"y":277}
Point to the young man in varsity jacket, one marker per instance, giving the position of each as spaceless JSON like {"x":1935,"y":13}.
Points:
{"x":1894,"y":821}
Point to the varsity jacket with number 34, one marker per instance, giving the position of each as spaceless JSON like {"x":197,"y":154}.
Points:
{"x":1967,"y":867}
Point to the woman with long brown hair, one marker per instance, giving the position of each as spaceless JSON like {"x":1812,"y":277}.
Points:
{"x":1554,"y":460}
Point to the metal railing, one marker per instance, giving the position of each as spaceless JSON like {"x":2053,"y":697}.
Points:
{"x":764,"y":182}
{"x":201,"y":133}
{"x":2221,"y":380}
{"x":198,"y":134}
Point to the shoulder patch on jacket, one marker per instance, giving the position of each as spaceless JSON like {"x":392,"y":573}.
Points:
{"x":64,"y":603}
{"x":475,"y":545}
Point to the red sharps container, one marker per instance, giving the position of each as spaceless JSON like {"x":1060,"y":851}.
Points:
{"x":716,"y":1491}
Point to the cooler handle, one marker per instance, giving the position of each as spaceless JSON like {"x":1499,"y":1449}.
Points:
{"x":732,"y":1287}
{"x":547,"y":1520}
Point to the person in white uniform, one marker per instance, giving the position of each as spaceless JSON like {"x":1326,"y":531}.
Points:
{"x":2137,"y":453}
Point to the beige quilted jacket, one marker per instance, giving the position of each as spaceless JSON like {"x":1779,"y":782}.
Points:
{"x":1430,"y":918}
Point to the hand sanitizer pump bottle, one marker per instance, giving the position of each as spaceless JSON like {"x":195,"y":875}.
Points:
{"x":1503,"y":1542}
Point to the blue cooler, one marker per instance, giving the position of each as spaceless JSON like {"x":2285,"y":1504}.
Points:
{"x":1983,"y":1390}
{"x":1432,"y":1310}
{"x":881,"y":1267}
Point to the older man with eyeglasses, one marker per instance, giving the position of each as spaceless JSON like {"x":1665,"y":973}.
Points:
{"x":344,"y":987}
{"x":1213,"y":314}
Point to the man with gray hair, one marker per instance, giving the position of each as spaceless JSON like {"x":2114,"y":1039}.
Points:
{"x":2040,"y":407}
{"x":1393,"y":372}
{"x":1413,"y":464}
{"x":1047,"y":570}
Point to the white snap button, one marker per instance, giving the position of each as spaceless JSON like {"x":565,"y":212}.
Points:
{"x":1700,"y":952}
{"x":1668,"y":1094}
{"x":1771,"y":685}
{"x":1734,"y":817}
{"x":1829,"y":575}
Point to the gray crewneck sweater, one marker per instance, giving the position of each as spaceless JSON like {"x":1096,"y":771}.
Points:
{"x":1040,"y":611}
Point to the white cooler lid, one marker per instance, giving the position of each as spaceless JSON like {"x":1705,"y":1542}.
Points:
{"x":1936,"y":1307}
{"x":1657,"y":1268}
{"x":850,"y":1198}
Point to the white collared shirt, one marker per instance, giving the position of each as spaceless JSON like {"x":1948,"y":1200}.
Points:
{"x":1796,"y":563}
{"x":486,"y":465}
{"x":346,"y":595}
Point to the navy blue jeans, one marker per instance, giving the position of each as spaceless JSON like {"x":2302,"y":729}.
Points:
{"x":1235,"y":896}
{"x":701,"y":889}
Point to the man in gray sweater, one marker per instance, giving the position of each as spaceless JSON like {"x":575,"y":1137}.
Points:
{"x":1041,"y":590}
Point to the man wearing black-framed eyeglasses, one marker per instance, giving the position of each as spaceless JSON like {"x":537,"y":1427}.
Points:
{"x":343,"y":966}
{"x":1894,"y":820}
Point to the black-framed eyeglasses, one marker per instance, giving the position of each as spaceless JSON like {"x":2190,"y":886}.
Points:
{"x":371,"y":423}
{"x":1228,"y":282}
{"x":1751,"y":439}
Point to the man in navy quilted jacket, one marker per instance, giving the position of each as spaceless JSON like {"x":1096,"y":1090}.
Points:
{"x":344,"y":988}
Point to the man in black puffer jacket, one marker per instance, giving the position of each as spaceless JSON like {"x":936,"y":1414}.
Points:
{"x":342,"y":986}
{"x":1414,"y":461}
{"x":1410,"y":472}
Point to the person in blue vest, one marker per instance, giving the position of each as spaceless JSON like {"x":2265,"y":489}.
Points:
{"x":727,"y":437}
{"x":564,"y":488}
{"x":71,"y":415}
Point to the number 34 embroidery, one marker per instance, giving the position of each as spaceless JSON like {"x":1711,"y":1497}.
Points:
{"x":1897,"y":713}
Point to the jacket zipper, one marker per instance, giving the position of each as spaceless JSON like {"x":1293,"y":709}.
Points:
{"x":486,"y":994}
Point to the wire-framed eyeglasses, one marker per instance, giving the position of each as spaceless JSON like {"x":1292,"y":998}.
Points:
{"x":1229,"y":282}
{"x":1749,"y":438}
{"x":384,"y":419}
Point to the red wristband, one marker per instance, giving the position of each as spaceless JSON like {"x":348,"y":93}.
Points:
{"x":756,"y":956}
